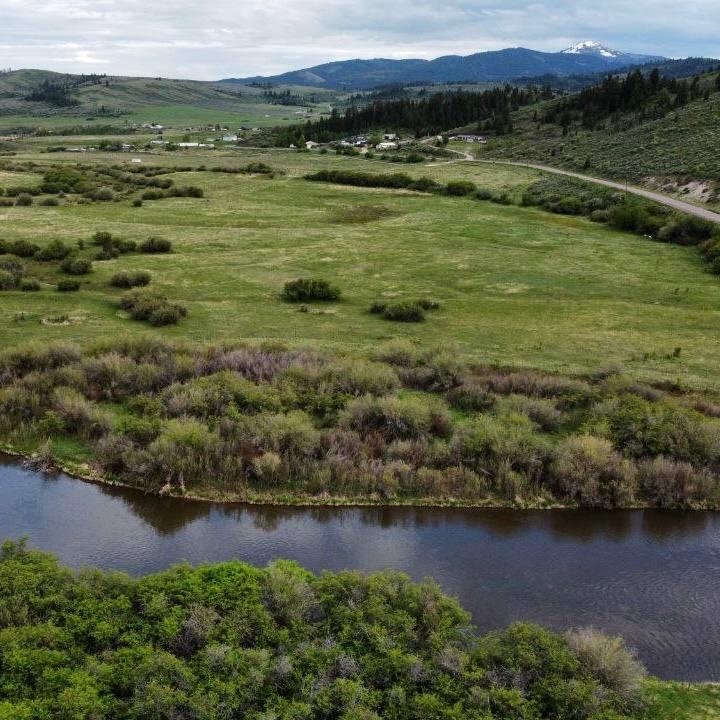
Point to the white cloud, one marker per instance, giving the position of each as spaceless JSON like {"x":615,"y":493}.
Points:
{"x":268,"y":36}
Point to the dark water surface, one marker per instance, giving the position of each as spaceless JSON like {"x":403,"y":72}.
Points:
{"x":653,"y":577}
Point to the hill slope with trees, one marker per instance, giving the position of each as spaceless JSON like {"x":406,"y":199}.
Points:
{"x":652,"y":130}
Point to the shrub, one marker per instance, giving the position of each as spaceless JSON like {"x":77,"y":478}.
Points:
{"x":30,"y":285}
{"x":155,"y":245}
{"x":674,"y":484}
{"x":609,"y":660}
{"x":68,"y":285}
{"x":49,"y":202}
{"x":8,"y":281}
{"x":643,"y":429}
{"x":152,"y":307}
{"x":470,"y":398}
{"x":397,"y":418}
{"x":55,"y":250}
{"x":587,"y":470}
{"x":130,"y":279}
{"x":103,"y":194}
{"x":306,"y":289}
{"x":102,"y":237}
{"x":409,"y":312}
{"x":137,"y":202}
{"x":76,"y":266}
{"x":460,"y":187}
{"x":508,"y":449}
{"x":12,"y":264}
{"x":23,"y":248}
{"x":24,"y":200}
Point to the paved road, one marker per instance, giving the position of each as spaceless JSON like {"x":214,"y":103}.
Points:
{"x":661,"y":198}
{"x":672,"y":202}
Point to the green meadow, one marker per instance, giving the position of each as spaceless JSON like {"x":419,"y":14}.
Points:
{"x":517,"y":286}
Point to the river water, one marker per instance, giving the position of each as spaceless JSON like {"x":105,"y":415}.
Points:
{"x":651,"y":576}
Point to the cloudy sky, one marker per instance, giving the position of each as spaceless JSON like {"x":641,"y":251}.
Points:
{"x":224,"y":39}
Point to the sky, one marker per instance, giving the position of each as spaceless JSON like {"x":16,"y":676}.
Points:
{"x":185,"y":39}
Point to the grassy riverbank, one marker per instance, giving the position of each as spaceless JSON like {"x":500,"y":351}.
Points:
{"x":402,"y":426}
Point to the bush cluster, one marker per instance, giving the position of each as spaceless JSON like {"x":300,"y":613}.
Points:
{"x":232,"y":640}
{"x":130,"y":279}
{"x":152,"y":307}
{"x":271,"y":421}
{"x":407,"y":311}
{"x":310,"y":289}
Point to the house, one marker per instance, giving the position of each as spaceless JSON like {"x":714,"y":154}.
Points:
{"x":391,"y":136}
{"x":386,"y":146}
{"x":136,"y":161}
{"x":470,"y":138}
{"x":229,"y":138}
{"x":309,"y":145}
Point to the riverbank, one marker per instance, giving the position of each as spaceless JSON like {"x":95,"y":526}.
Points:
{"x":82,"y":472}
{"x":682,"y":701}
{"x":187,"y":620}
{"x":270,"y":425}
{"x":641,"y":574}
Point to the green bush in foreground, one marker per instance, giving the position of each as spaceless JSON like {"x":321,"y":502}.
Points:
{"x":234,"y":641}
{"x":307,"y":289}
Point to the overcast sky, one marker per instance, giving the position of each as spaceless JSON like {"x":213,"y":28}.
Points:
{"x":224,"y":39}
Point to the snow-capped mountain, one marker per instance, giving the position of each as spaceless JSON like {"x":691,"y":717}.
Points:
{"x":498,"y":65}
{"x":592,"y":47}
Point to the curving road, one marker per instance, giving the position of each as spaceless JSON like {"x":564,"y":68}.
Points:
{"x":661,"y":198}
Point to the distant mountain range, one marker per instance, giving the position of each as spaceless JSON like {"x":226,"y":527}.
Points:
{"x":582,"y":58}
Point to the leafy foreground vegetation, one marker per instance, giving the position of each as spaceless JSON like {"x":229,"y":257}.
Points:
{"x":230,"y":640}
{"x":265,"y":423}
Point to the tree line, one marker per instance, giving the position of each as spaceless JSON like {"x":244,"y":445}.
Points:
{"x":647,"y":97}
{"x":489,"y":110}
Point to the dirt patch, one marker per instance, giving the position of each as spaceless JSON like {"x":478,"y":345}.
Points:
{"x":702,"y":191}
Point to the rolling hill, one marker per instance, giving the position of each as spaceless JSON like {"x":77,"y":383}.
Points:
{"x":112,"y":100}
{"x":587,"y":57}
{"x":675,"y":152}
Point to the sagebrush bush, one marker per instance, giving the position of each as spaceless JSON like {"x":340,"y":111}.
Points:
{"x":397,"y":418}
{"x":68,"y":285}
{"x":29,"y":285}
{"x":131,"y":279}
{"x":589,"y":471}
{"x":407,"y":312}
{"x":675,"y":484}
{"x":152,"y":307}
{"x":24,"y":200}
{"x":76,"y":266}
{"x":155,"y":245}
{"x":8,"y":281}
{"x":608,"y":658}
{"x":309,"y":289}
{"x":460,"y":187}
{"x":55,"y":250}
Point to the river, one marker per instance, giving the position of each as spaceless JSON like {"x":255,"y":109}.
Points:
{"x":651,"y":576}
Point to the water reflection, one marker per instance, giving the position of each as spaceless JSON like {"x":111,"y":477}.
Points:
{"x":651,"y":576}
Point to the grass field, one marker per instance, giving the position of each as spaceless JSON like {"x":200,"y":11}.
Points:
{"x":517,"y":286}
{"x":683,"y":701}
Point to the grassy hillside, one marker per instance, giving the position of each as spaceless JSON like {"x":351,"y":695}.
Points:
{"x":669,"y":152}
{"x":127,"y":100}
